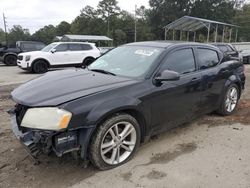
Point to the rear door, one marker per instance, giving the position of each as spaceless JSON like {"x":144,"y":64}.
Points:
{"x":76,"y":52}
{"x":79,"y":52}
{"x":213,"y":77}
{"x":176,"y":102}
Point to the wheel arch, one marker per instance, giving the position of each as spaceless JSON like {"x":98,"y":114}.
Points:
{"x":8,"y":54}
{"x":88,"y":57}
{"x":130,"y":111}
{"x":233,"y":80}
{"x":43,"y":59}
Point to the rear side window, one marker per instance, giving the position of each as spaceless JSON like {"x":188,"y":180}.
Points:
{"x":31,"y":46}
{"x":223,"y":48}
{"x":75,"y":47}
{"x":207,"y":58}
{"x":181,"y":61}
{"x":61,"y":47}
{"x":86,"y":47}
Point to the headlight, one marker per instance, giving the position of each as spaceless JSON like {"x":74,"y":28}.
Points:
{"x":27,"y":58}
{"x":46,"y":118}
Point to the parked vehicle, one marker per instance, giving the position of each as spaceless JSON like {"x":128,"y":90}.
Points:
{"x":103,"y":113}
{"x":104,"y":50}
{"x":8,"y":55}
{"x":229,"y":50}
{"x":59,"y":54}
{"x":245,"y":54}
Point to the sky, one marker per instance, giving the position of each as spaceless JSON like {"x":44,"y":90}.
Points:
{"x":35,"y":14}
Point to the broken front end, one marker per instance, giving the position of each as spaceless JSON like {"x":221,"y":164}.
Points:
{"x":44,"y":130}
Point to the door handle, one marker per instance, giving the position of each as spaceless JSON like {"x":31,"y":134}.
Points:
{"x":225,"y":71}
{"x":194,"y":79}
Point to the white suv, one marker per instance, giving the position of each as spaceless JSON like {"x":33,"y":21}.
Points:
{"x":59,"y":54}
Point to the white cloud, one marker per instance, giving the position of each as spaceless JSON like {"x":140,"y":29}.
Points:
{"x":34,"y":14}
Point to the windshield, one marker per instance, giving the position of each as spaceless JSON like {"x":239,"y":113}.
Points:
{"x":246,"y":51}
{"x":129,"y":61}
{"x":49,"y":47}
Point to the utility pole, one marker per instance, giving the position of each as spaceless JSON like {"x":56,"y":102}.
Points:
{"x":108,"y":24}
{"x":5,"y":29}
{"x":135,"y":24}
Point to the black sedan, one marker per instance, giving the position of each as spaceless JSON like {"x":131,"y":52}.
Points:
{"x":104,"y":112}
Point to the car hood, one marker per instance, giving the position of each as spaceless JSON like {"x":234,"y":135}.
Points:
{"x":32,"y":53}
{"x":58,"y":87}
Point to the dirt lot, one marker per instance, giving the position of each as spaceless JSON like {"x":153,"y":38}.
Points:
{"x":212,"y":151}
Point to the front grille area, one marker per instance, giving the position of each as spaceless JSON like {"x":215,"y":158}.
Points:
{"x":20,"y":57}
{"x":20,"y":111}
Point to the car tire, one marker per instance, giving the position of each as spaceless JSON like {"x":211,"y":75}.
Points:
{"x":110,"y":147}
{"x":10,"y":60}
{"x":230,"y":100}
{"x":40,"y":66}
{"x":87,"y":61}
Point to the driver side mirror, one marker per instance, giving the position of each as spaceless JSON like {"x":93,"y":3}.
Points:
{"x":53,"y":50}
{"x":167,"y":75}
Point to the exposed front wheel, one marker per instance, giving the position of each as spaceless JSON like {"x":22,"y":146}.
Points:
{"x":115,"y":142}
{"x":10,"y":60}
{"x":40,"y":66}
{"x":230,"y":100}
{"x":88,"y":61}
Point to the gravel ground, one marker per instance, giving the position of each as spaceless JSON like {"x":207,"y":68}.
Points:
{"x":212,"y":151}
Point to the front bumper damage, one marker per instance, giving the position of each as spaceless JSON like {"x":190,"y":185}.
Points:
{"x":37,"y":142}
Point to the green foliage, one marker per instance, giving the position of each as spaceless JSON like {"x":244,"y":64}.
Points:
{"x":63,"y":28}
{"x":2,"y":36}
{"x":242,"y":18}
{"x":163,"y":12}
{"x":46,"y":34}
{"x":18,"y":33}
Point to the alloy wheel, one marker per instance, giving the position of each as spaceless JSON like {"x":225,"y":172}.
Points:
{"x":231,"y":99}
{"x":118,"y":143}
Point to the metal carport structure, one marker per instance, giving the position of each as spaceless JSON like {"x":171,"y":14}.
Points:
{"x":192,"y":24}
{"x":84,"y":38}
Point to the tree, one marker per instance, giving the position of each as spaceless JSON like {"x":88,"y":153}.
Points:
{"x":2,"y":36}
{"x":88,"y":22}
{"x":18,"y":33}
{"x":108,"y":9}
{"x":63,"y":28}
{"x":242,"y":18}
{"x":219,"y":10}
{"x":162,"y":12}
{"x":46,"y":34}
{"x":120,"y":37}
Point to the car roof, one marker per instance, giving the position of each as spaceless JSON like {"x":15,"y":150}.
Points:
{"x":167,"y":44}
{"x":72,"y":43}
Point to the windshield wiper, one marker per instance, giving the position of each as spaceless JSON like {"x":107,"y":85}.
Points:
{"x":103,"y":71}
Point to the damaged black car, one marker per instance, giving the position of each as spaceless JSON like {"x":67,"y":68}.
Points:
{"x":103,"y":112}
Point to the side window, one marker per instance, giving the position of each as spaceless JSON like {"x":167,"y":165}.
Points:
{"x":86,"y":47}
{"x":223,"y":48}
{"x":61,"y":47}
{"x":181,"y":61}
{"x":207,"y":58}
{"x":230,"y":49}
{"x":75,"y":47}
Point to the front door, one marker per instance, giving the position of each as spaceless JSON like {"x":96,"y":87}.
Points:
{"x":176,"y":102}
{"x":60,"y":56}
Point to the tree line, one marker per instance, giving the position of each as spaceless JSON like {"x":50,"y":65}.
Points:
{"x":110,"y":20}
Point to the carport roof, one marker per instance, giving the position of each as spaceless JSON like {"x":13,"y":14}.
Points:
{"x":189,"y":23}
{"x":85,"y":38}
